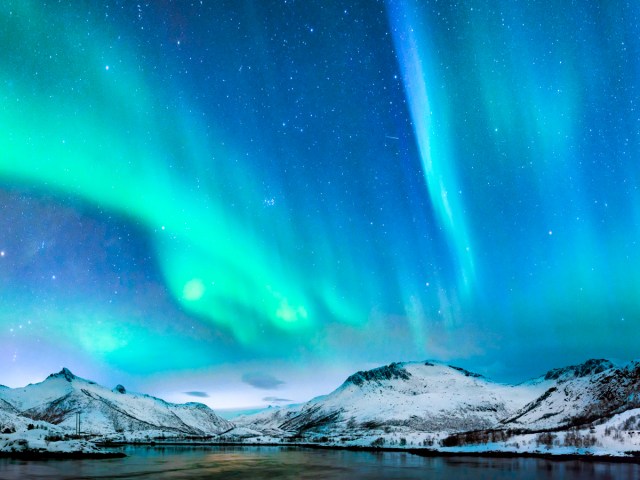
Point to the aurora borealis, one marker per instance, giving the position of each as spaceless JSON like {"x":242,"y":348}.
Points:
{"x":194,"y":194}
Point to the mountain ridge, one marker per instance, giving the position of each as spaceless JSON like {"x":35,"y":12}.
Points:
{"x":440,"y":400}
{"x":62,"y":395}
{"x":592,"y":407}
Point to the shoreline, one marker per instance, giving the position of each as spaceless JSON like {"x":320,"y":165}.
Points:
{"x":631,"y":457}
{"x":45,"y":455}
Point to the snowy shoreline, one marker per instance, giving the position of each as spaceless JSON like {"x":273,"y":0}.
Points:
{"x":626,"y":457}
{"x":584,"y":412}
{"x":55,"y":455}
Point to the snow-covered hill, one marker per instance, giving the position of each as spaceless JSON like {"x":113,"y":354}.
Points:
{"x":57,"y":399}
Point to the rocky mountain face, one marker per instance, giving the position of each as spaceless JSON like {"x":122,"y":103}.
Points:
{"x":57,"y":399}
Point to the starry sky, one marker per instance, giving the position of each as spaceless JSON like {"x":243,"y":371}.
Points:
{"x":243,"y":202}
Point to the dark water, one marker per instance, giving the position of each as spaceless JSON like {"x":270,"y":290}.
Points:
{"x":294,"y":463}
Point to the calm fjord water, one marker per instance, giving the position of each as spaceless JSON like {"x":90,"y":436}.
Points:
{"x":298,"y":463}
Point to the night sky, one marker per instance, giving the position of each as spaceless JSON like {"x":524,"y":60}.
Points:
{"x":243,"y":202}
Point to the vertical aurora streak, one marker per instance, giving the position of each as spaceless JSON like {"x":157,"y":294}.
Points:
{"x":431,"y":129}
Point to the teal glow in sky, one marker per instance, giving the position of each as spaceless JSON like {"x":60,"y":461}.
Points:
{"x":221,"y":197}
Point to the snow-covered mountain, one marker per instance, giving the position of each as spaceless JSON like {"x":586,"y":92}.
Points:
{"x":419,"y":396}
{"x":591,"y":408}
{"x":411,"y":400}
{"x":60,"y":396}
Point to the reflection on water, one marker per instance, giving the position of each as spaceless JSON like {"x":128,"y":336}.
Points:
{"x":295,"y":463}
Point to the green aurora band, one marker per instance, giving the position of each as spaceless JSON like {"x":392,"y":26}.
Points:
{"x":431,"y":126}
{"x":97,"y":133}
{"x":492,"y":217}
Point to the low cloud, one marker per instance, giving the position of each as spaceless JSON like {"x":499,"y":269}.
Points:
{"x":276,"y":400}
{"x":264,"y":381}
{"x":197,"y":394}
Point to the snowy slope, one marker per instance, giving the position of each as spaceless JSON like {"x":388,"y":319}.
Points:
{"x":10,"y":420}
{"x":102,"y":411}
{"x":420,"y":396}
{"x":267,"y":422}
{"x":580,"y":394}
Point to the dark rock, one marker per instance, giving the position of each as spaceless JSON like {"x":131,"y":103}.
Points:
{"x":388,"y":372}
{"x":64,"y":373}
{"x":590,"y":367}
{"x":466,"y":373}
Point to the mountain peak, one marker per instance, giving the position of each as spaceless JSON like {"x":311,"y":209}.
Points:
{"x":64,"y":373}
{"x":119,"y":389}
{"x":388,"y":372}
